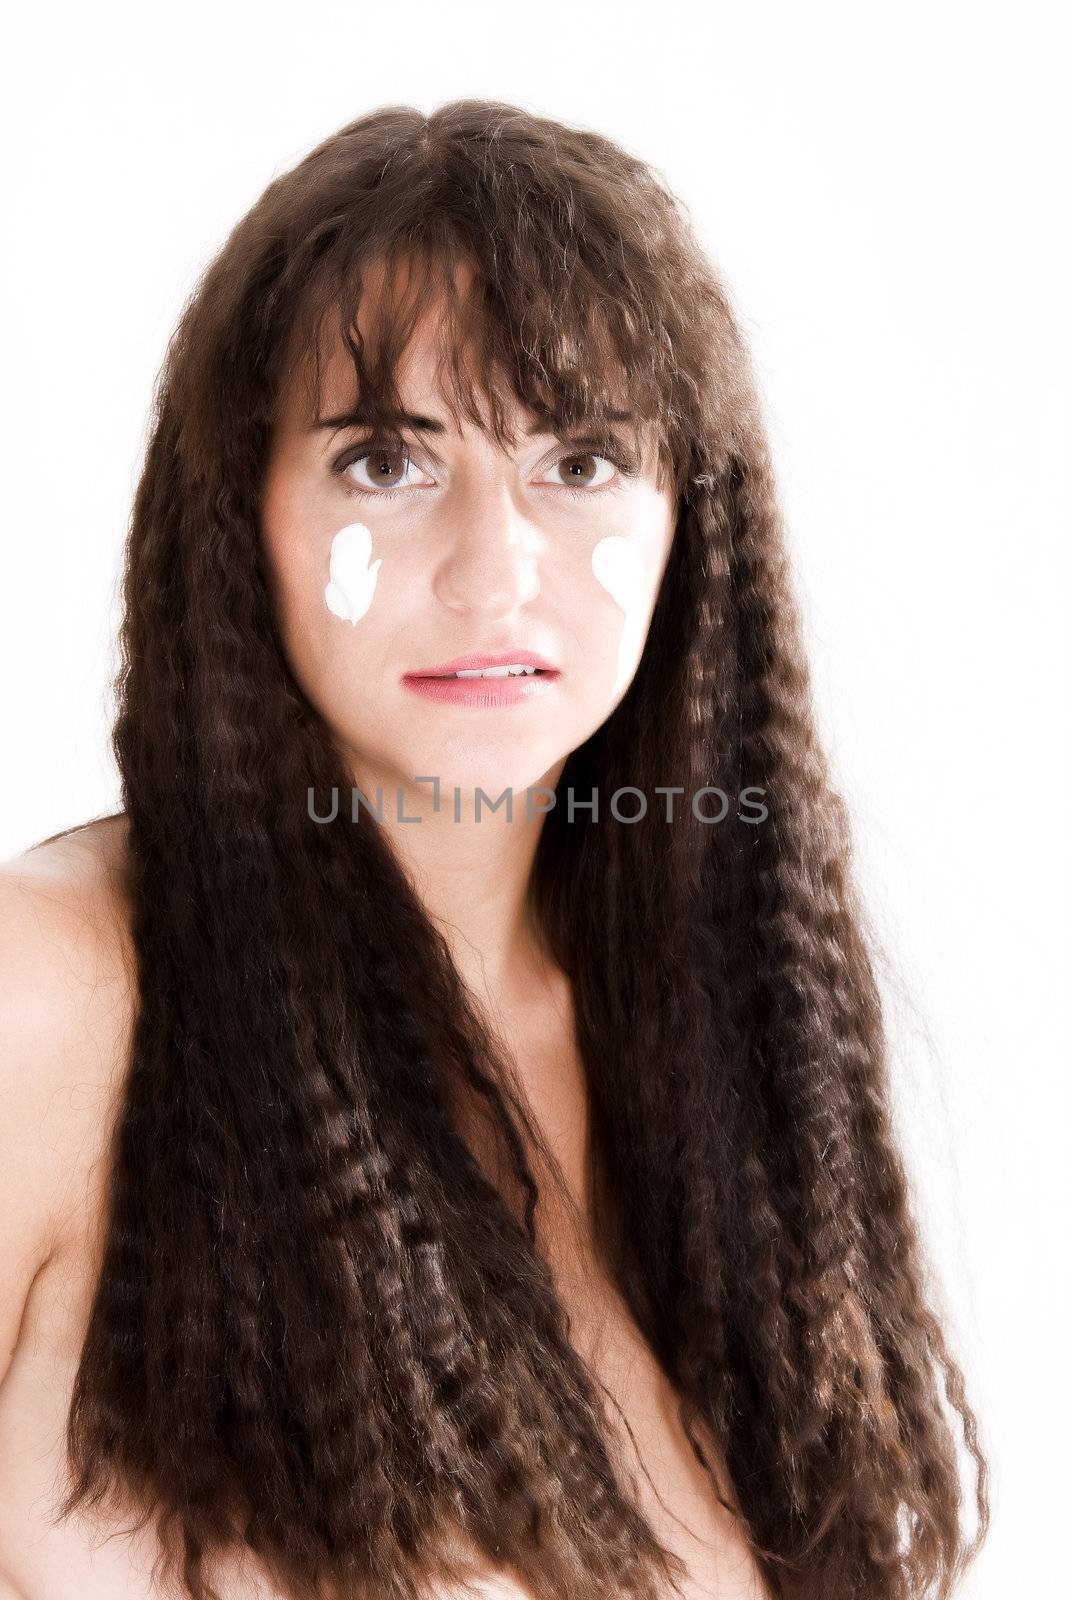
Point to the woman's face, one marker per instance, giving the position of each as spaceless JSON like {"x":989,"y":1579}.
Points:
{"x":387,"y":564}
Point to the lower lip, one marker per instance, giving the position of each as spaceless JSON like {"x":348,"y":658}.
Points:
{"x":483,"y":691}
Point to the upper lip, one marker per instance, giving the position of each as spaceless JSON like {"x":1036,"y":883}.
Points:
{"x":481,"y":658}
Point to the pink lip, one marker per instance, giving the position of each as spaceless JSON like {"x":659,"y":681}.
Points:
{"x":480,"y":658}
{"x":482,"y":691}
{"x":486,"y":692}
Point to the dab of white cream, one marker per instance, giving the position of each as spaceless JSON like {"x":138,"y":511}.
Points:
{"x":352,"y":575}
{"x":617,"y":566}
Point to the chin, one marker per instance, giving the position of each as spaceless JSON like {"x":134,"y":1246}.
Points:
{"x":494,"y":772}
{"x":488,"y":782}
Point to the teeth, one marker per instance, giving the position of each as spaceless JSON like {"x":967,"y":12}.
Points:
{"x":492,"y":672}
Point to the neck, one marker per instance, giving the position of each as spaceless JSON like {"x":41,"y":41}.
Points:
{"x":471,"y":868}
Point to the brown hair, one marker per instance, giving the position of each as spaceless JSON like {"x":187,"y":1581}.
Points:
{"x":320,"y":1328}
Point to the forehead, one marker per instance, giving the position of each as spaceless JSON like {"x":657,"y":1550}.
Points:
{"x":419,"y":346}
{"x":419,"y":377}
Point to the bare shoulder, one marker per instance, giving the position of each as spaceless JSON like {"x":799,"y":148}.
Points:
{"x":67,"y":990}
{"x":89,"y":859}
{"x":65,"y":928}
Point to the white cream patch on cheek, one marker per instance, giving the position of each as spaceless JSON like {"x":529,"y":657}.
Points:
{"x":352,"y":574}
{"x":617,"y":567}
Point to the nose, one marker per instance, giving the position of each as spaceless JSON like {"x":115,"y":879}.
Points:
{"x":491,"y":562}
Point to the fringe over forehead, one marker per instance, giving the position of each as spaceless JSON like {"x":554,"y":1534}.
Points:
{"x":547,"y":294}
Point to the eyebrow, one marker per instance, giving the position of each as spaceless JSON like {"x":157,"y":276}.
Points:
{"x":405,"y":419}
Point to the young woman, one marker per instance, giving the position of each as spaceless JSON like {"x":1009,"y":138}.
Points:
{"x":446,"y":1118}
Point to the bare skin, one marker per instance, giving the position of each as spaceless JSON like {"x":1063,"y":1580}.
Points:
{"x":68,"y":1004}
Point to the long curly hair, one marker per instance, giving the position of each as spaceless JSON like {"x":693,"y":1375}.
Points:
{"x":321,"y":1329}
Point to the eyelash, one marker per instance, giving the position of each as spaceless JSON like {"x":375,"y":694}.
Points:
{"x":608,"y":449}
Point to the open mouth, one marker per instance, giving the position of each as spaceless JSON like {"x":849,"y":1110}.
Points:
{"x":491,"y":672}
{"x":486,"y":687}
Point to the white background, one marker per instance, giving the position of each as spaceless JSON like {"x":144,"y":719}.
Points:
{"x":882,"y":189}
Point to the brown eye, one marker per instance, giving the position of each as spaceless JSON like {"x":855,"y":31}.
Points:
{"x":385,"y":466}
{"x":578,"y":470}
{"x":585,"y":463}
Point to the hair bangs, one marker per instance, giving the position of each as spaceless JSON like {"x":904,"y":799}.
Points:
{"x":564,"y":362}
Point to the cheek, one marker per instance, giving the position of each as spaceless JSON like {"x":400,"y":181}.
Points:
{"x":353,"y":575}
{"x":328,"y":601}
{"x":618,"y":569}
